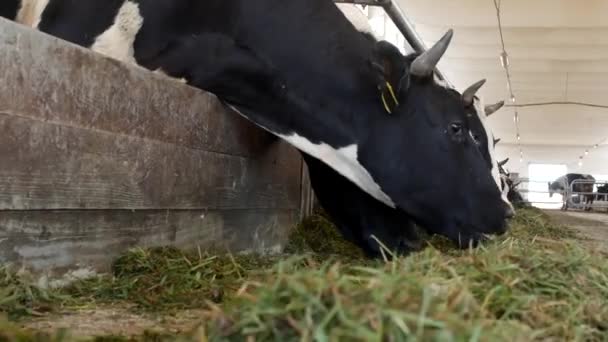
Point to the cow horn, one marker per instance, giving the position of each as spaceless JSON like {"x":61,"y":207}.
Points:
{"x":469,"y":94}
{"x":502,"y":163}
{"x":491,"y":109}
{"x":424,"y":64}
{"x":496,"y":141}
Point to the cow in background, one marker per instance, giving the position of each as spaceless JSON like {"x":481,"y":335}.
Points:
{"x":602,"y":191}
{"x":509,"y":187}
{"x":562,"y":185}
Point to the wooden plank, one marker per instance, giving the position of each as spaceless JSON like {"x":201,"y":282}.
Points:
{"x":50,"y":166}
{"x":49,"y":79}
{"x":97,"y":156}
{"x":307,"y":198}
{"x":65,"y":240}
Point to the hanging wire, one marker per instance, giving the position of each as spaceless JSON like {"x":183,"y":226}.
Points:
{"x":552,"y":103}
{"x":504,"y":59}
{"x":505,"y":63}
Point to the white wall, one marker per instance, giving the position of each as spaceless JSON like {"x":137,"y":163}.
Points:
{"x":381,"y":25}
{"x":547,"y":140}
{"x":594,"y":163}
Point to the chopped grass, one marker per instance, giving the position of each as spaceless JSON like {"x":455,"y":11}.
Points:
{"x":318,"y":235}
{"x":535,"y":283}
{"x":166,"y":278}
{"x":19,"y":295}
{"x":512,"y":290}
{"x":530,"y":223}
{"x":9,"y":332}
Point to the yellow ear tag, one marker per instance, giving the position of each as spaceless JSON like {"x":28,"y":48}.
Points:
{"x":388,"y":110}
{"x":390,"y":89}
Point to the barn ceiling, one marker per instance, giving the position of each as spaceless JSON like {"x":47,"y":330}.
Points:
{"x":558,"y":52}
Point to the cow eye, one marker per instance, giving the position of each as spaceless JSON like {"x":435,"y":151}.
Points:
{"x":456,"y":128}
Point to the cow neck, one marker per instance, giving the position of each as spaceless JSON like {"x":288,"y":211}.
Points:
{"x":325,"y":122}
{"x":323,"y":60}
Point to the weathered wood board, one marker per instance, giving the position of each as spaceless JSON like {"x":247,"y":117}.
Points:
{"x":97,"y":156}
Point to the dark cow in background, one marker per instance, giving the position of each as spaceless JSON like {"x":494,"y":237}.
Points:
{"x":359,"y":111}
{"x":562,"y":185}
{"x":602,"y":191}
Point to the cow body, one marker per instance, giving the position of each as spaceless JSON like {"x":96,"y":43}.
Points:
{"x":300,"y":70}
{"x":563,"y":184}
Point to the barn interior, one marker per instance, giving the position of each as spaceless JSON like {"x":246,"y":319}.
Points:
{"x":244,"y":257}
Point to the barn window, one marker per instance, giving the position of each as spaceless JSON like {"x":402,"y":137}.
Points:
{"x":540,"y":175}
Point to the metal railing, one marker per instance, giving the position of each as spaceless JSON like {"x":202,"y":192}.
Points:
{"x":395,"y":13}
{"x":570,"y":199}
{"x":585,"y":199}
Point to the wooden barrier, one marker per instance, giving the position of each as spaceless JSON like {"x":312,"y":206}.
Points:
{"x":97,"y":156}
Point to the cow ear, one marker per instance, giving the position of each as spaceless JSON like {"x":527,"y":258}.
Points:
{"x":391,"y":77}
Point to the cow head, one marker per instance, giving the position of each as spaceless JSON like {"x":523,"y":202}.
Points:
{"x":421,"y":153}
{"x":509,"y":187}
{"x":505,"y":181}
{"x":481,"y":133}
{"x":382,"y":121}
{"x":554,"y":187}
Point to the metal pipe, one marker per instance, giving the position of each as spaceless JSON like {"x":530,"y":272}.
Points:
{"x":401,"y":21}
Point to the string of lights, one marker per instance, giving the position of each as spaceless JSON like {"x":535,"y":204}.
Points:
{"x":590,"y":149}
{"x":504,"y":61}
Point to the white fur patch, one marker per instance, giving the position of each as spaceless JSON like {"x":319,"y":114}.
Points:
{"x":160,"y":71}
{"x":30,"y":12}
{"x":480,"y":110}
{"x":117,"y":41}
{"x":342,"y":160}
{"x":505,"y":191}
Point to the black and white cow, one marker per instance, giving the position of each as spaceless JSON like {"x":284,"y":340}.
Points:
{"x":510,"y":187}
{"x":364,"y":216}
{"x":477,"y":112}
{"x":300,"y":70}
{"x":564,"y":183}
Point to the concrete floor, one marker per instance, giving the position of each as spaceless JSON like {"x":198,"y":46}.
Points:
{"x":591,"y":225}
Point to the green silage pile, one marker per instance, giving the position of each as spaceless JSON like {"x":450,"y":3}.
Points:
{"x":535,"y":283}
